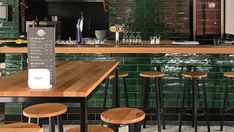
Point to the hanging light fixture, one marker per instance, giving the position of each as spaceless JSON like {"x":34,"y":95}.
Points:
{"x":211,"y":4}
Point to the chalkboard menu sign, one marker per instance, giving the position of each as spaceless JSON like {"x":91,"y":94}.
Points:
{"x":41,"y":49}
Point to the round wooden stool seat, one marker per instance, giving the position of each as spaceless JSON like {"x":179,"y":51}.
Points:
{"x":92,"y":128}
{"x":45,"y":110}
{"x":152,"y":74}
{"x":123,"y":116}
{"x":229,"y":74}
{"x":121,"y":75}
{"x":20,"y":125}
{"x":195,"y":74}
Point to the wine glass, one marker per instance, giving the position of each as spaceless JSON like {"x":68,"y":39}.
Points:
{"x":100,"y":35}
{"x":138,"y":38}
{"x":132,"y":38}
{"x":125,"y":38}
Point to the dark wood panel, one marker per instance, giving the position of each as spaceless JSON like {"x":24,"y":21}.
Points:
{"x":68,"y":12}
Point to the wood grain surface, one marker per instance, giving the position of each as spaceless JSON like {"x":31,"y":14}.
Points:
{"x":195,"y":74}
{"x":92,"y":128}
{"x":122,"y":116}
{"x":111,"y":47}
{"x":73,"y":79}
{"x":21,"y":130}
{"x":121,"y":74}
{"x":151,"y":74}
{"x":20,"y":125}
{"x":229,"y":74}
{"x":45,"y":110}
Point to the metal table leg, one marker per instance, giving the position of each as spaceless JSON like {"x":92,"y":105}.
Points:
{"x":84,"y":115}
{"x":115,"y":100}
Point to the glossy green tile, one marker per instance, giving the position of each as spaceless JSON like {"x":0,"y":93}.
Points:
{"x":10,"y":29}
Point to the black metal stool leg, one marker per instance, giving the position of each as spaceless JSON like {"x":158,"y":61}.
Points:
{"x":139,"y":126}
{"x":105,"y":93}
{"x":206,"y":106}
{"x":158,"y":103}
{"x":114,"y":127}
{"x":144,"y":102}
{"x":194,"y":87}
{"x":125,"y":92}
{"x":59,"y":123}
{"x":193,"y":102}
{"x":51,"y":124}
{"x":182,"y":106}
{"x":133,"y":127}
{"x":105,"y":97}
{"x":224,"y":104}
{"x":161,"y":103}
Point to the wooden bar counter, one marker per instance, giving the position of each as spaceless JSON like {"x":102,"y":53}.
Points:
{"x":111,"y":47}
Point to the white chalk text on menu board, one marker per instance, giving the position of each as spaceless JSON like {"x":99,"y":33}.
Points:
{"x":41,"y":51}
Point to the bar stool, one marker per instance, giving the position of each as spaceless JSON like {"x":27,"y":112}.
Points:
{"x":47,"y":110}
{"x":194,"y":76}
{"x":228,"y":75}
{"x":156,"y":75}
{"x":92,"y":128}
{"x":20,"y":125}
{"x":123,"y":116}
{"x":122,"y":75}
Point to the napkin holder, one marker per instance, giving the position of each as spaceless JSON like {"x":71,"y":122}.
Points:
{"x":39,"y":79}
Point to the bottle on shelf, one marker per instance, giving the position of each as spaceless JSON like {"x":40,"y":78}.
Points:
{"x":79,"y":28}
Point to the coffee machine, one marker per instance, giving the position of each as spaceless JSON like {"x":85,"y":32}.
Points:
{"x":56,"y":24}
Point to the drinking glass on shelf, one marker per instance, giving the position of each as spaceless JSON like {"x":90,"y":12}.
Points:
{"x":152,"y":40}
{"x":125,"y":38}
{"x":131,"y":38}
{"x":216,"y":40}
{"x":134,"y":38}
{"x":157,"y":39}
{"x":138,"y":38}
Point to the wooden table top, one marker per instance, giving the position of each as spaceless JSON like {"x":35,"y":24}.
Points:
{"x":73,"y":79}
{"x":110,"y":47}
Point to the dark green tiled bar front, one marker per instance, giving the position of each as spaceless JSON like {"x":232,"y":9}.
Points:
{"x":214,"y":64}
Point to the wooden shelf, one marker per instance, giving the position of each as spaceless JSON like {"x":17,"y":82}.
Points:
{"x":110,"y":47}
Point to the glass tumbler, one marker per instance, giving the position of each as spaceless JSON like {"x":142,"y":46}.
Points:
{"x":152,"y":40}
{"x":138,"y":38}
{"x":216,"y":40}
{"x":125,"y":38}
{"x":157,"y":39}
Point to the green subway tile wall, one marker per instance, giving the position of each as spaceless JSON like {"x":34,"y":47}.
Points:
{"x":171,"y":64}
{"x":170,"y":18}
{"x":10,"y":29}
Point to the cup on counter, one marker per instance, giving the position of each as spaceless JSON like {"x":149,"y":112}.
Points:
{"x":216,"y":40}
{"x":152,"y":40}
{"x":54,"y":18}
{"x":157,"y":39}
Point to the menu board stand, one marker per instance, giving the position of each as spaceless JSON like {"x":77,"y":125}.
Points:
{"x":41,"y":57}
